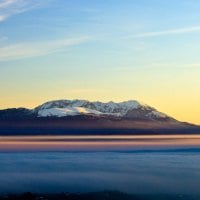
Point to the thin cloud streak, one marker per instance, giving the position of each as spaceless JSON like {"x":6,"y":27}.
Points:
{"x":9,"y":8}
{"x":6,"y":3}
{"x":27,"y":50}
{"x":167,"y":32}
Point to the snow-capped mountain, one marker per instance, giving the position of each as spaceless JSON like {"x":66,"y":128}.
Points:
{"x":126,"y":109}
{"x":86,"y":117}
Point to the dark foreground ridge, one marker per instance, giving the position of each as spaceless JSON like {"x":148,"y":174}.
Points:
{"x":105,"y":195}
{"x":91,"y":125}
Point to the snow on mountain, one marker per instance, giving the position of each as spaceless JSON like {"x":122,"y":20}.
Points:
{"x":129,"y":109}
{"x":99,"y":106}
{"x":75,"y":107}
{"x":69,"y":111}
{"x":156,"y":114}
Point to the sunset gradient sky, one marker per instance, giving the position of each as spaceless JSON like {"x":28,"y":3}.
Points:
{"x":117,"y":50}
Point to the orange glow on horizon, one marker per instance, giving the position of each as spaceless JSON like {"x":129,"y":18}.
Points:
{"x":96,"y":142}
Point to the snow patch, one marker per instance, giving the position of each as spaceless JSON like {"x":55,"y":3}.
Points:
{"x":69,"y":111}
{"x":71,"y":107}
{"x":156,"y":114}
{"x":61,"y":108}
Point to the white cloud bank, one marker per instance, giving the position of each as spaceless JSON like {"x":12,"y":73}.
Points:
{"x":27,"y":50}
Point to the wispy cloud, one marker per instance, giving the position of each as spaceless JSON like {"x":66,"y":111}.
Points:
{"x":27,"y":50}
{"x":9,"y":8}
{"x":167,"y":32}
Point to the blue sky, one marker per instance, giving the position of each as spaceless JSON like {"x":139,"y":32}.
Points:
{"x":101,"y":50}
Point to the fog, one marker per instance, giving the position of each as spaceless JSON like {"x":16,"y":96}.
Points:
{"x":150,"y":171}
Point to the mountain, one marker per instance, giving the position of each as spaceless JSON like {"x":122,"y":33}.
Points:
{"x":128,"y":109}
{"x":82,"y":116}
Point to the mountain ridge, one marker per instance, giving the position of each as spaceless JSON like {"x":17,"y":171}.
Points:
{"x":83,"y":116}
{"x":127,"y":109}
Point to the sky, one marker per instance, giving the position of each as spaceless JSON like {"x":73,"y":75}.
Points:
{"x":147,"y":50}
